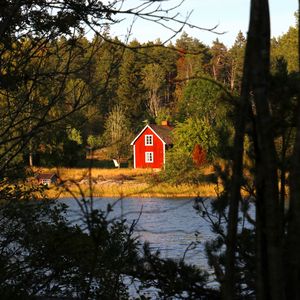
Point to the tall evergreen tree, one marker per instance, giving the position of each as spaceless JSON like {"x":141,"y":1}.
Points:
{"x":287,"y":46}
{"x":236,"y":56}
{"x":130,"y":92}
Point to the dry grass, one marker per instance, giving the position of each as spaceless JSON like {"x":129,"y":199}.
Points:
{"x":127,"y":189}
{"x":80,"y":173}
{"x":122,"y":182}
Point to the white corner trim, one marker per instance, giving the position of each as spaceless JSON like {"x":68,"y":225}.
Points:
{"x":164,"y":154}
{"x":134,"y":157}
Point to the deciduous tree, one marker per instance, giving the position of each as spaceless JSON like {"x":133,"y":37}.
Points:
{"x":118,"y":134}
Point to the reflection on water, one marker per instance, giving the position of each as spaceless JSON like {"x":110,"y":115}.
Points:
{"x":170,"y":225}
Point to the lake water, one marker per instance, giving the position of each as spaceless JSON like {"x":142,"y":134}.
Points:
{"x":170,"y":225}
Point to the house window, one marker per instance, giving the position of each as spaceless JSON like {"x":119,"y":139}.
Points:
{"x":148,"y":139}
{"x":149,"y":157}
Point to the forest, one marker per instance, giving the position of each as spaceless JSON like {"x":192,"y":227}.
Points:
{"x":61,"y":94}
{"x":108,"y":83}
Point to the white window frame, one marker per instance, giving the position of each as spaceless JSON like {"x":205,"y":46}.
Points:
{"x":149,"y":157}
{"x":148,"y":139}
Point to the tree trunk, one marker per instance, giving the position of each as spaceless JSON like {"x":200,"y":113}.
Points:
{"x":261,"y":259}
{"x":266,"y":177}
{"x":293,"y":241}
{"x":269,"y":243}
{"x":30,"y":159}
{"x":293,"y":236}
{"x":228,"y":287}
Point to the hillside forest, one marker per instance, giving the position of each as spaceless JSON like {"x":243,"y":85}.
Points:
{"x":100,"y":92}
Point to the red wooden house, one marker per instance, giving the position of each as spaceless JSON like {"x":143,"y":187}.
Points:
{"x":47,"y":178}
{"x":150,"y":145}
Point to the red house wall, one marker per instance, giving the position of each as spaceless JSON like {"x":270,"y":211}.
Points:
{"x":140,"y":149}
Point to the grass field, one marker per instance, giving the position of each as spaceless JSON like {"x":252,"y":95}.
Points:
{"x":123,"y":182}
{"x":80,"y":173}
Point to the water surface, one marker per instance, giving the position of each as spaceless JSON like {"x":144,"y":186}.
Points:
{"x":170,"y":225}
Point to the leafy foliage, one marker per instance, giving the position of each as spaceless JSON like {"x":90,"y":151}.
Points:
{"x":42,"y":254}
{"x":192,"y":132}
{"x":286,"y":46}
{"x":174,"y":279}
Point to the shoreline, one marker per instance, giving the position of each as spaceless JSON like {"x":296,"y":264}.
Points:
{"x":128,"y":183}
{"x":139,"y":190}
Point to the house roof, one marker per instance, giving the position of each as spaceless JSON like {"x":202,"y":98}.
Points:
{"x":46,"y":176}
{"x":162,"y":131}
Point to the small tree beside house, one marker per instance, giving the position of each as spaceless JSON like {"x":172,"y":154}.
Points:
{"x":198,"y":155}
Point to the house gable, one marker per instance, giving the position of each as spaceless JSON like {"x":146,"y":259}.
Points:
{"x":142,"y":132}
{"x":47,"y":178}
